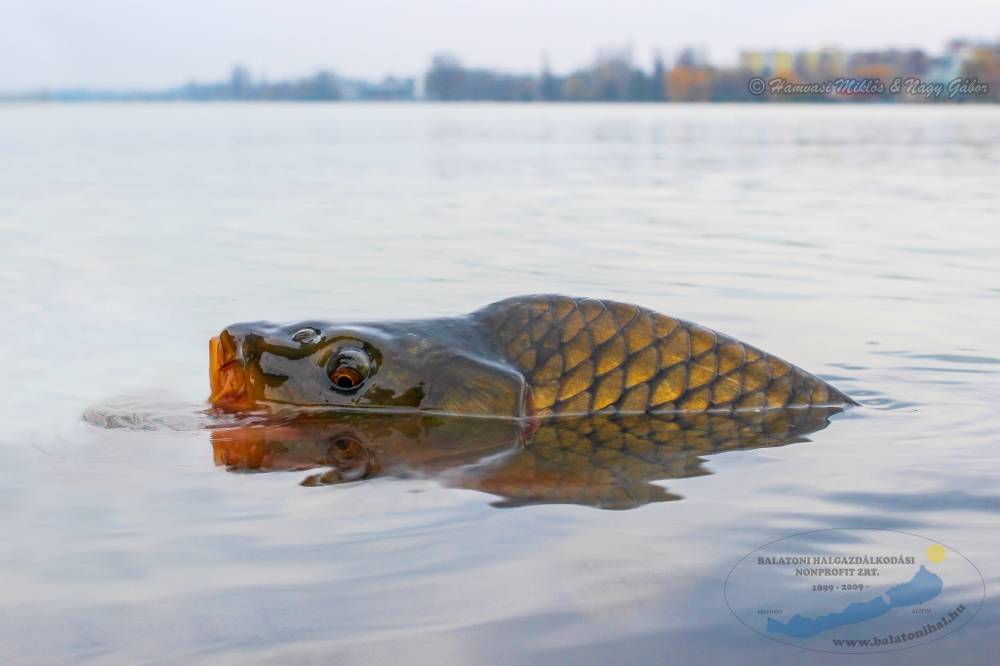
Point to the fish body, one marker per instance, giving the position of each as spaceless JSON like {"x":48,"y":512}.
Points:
{"x":523,"y":357}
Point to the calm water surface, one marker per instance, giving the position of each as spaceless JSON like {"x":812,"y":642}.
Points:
{"x":860,"y":243}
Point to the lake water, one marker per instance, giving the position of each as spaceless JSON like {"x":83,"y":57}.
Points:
{"x":858,"y":242}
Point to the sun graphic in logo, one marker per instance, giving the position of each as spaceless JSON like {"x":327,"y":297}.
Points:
{"x":936,"y":553}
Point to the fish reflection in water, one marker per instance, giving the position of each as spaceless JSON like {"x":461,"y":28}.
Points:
{"x":605,"y":461}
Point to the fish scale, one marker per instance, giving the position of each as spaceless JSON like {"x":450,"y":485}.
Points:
{"x":585,"y":355}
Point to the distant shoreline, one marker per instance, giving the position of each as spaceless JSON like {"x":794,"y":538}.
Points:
{"x":967,"y":72}
{"x":13,"y":101}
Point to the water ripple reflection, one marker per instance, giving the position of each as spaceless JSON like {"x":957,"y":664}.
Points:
{"x":601,"y":461}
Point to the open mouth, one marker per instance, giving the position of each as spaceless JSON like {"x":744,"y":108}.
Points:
{"x":230,"y":389}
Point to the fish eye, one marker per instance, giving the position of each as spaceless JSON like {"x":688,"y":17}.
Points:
{"x":306,"y":335}
{"x":349,"y":368}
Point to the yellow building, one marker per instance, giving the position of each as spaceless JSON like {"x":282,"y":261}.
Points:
{"x":753,"y":62}
{"x":783,"y":64}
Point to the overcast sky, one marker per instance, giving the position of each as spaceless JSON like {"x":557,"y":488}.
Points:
{"x":157,"y":43}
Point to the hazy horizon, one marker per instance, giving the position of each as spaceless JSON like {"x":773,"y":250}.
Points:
{"x":144,"y":44}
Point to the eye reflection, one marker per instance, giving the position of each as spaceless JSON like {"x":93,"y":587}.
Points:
{"x":344,"y":448}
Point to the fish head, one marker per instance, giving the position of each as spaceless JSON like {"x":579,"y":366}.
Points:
{"x":439,"y":366}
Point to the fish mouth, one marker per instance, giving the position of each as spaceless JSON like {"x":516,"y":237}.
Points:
{"x":227,"y":376}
